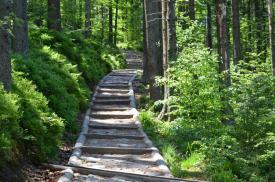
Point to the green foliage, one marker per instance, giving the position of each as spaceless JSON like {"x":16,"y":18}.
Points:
{"x":50,"y":87}
{"x":42,"y":129}
{"x":9,"y":125}
{"x":176,"y":143}
{"x":62,"y":64}
{"x":27,"y":123}
{"x":93,"y":60}
{"x":194,"y":84}
{"x":58,"y":80}
{"x":196,"y":136}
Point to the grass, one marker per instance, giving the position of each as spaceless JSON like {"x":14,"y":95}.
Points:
{"x":183,"y":159}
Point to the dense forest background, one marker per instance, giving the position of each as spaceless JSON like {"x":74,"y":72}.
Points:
{"x":208,"y":69}
{"x":211,"y":108}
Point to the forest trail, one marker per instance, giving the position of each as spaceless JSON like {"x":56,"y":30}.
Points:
{"x":112,"y":145}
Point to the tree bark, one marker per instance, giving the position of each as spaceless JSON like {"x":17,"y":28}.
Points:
{"x":165,"y":57}
{"x":271,"y":33}
{"x":224,"y":60}
{"x":116,"y":18}
{"x":20,"y":27}
{"x":154,"y":46}
{"x":88,"y":24}
{"x":145,"y":75}
{"x":236,"y":31}
{"x":259,"y":29}
{"x":249,"y":33}
{"x":102,"y":22}
{"x":192,"y":10}
{"x":209,"y":27}
{"x":222,"y":41}
{"x":110,"y":22}
{"x":172,"y":31}
{"x":54,"y":17}
{"x":5,"y":62}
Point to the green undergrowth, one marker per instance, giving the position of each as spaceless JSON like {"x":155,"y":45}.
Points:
{"x":51,"y":86}
{"x":195,"y":142}
{"x":176,"y":144}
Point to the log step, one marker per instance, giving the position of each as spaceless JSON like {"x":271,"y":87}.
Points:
{"x":116,"y":150}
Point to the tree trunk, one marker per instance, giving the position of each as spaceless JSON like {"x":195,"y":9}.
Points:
{"x":5,"y":62}
{"x":209,"y":27}
{"x":260,"y":26}
{"x":165,"y":57}
{"x":236,"y":31}
{"x":224,"y":60}
{"x":102,"y":22}
{"x":80,"y":16}
{"x":111,"y":22}
{"x":249,"y":33}
{"x":54,"y":17}
{"x":88,"y":23}
{"x":271,"y":33}
{"x":116,"y":18}
{"x":154,"y":46}
{"x":145,"y":75}
{"x":20,"y":27}
{"x":192,"y":9}
{"x":222,"y":41}
{"x":172,"y":31}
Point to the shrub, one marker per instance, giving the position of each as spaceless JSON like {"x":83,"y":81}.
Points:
{"x":58,"y":80}
{"x":42,"y":129}
{"x":10,"y":131}
{"x":92,"y":59}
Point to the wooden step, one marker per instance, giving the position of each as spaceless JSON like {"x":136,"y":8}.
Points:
{"x":112,"y":101}
{"x":104,"y":96}
{"x":116,"y":126}
{"x":115,"y":86}
{"x":109,"y":136}
{"x":102,"y":107}
{"x":112,"y":90}
{"x":111,"y":115}
{"x":115,"y":150}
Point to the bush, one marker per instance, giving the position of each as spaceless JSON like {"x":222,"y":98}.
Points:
{"x":243,"y":151}
{"x":246,"y":150}
{"x":58,"y":80}
{"x":42,"y":129}
{"x":10,"y":131}
{"x":93,"y":60}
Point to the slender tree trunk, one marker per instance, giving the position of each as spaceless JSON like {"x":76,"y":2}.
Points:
{"x":88,"y":24}
{"x":145,"y":77}
{"x":102,"y":22}
{"x":79,"y":19}
{"x":5,"y":62}
{"x":249,"y":33}
{"x":111,"y":22}
{"x":165,"y":57}
{"x":222,"y":40}
{"x":172,"y":31}
{"x":209,"y":27}
{"x":154,"y":48}
{"x":260,"y":26}
{"x":192,"y":9}
{"x":116,"y":18}
{"x":20,"y":27}
{"x":224,"y":60}
{"x":54,"y":17}
{"x":271,"y":33}
{"x":236,"y":31}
